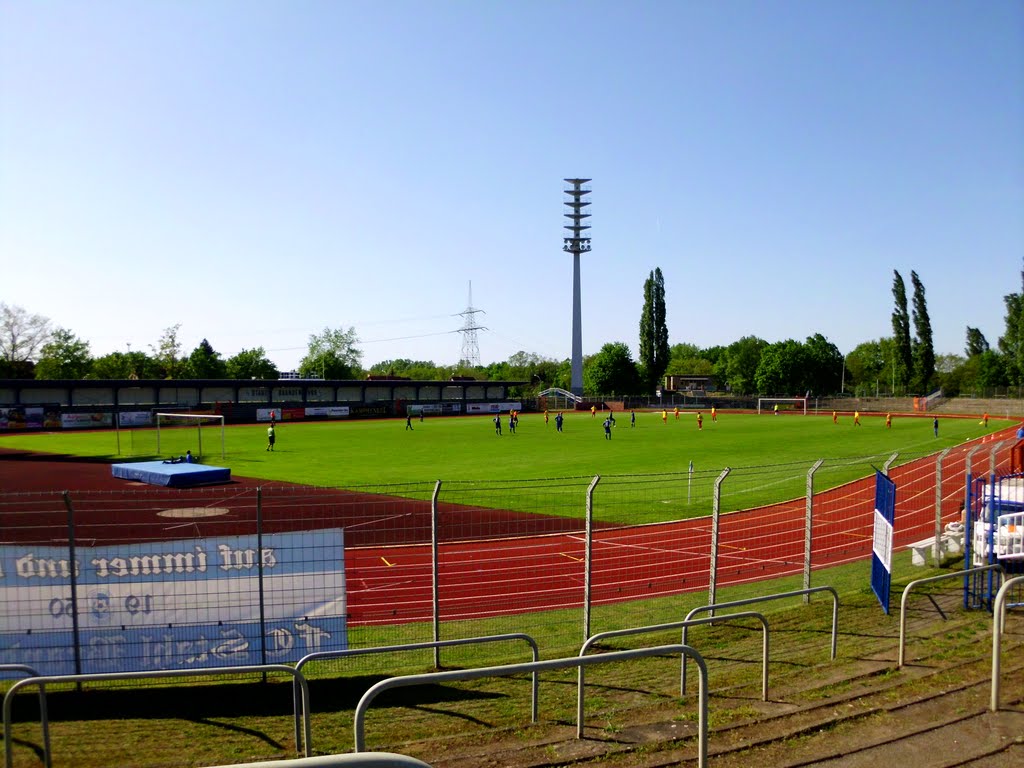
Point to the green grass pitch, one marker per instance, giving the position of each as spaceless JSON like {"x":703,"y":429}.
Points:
{"x":384,"y":452}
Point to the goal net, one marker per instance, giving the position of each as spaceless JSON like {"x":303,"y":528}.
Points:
{"x":777,"y":404}
{"x":201,"y":433}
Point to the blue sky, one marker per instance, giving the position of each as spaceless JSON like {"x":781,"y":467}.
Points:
{"x":258,"y":171}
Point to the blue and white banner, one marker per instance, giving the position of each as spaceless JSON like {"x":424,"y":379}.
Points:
{"x":493,"y":407}
{"x":135,"y":419}
{"x":881,"y":543}
{"x":330,"y":411}
{"x":173,"y":605}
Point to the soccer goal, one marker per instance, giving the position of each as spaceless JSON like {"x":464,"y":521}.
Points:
{"x":178,"y":432}
{"x":765,"y":403}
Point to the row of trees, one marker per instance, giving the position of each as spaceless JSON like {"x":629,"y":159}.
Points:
{"x":904,"y":363}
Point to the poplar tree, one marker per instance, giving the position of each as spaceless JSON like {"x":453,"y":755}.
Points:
{"x":976,"y":343}
{"x":923,"y":348}
{"x":654,"y":351}
{"x":1011,"y":343}
{"x":901,"y":331}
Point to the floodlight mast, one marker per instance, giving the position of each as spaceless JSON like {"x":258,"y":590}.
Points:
{"x":576,"y":245}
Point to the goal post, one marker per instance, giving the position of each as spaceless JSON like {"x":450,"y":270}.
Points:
{"x":176,"y":429}
{"x":771,"y":402}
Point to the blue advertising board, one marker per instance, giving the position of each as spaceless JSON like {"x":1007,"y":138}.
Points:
{"x":173,"y":605}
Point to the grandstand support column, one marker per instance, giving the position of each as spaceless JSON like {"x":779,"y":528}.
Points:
{"x":576,"y":244}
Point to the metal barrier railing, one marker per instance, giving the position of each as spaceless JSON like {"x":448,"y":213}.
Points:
{"x":361,"y":760}
{"x":435,"y":644}
{"x":673,"y":625}
{"x":998,"y":617}
{"x":906,"y":595}
{"x":43,"y":680}
{"x":764,"y":599}
{"x":514,"y":669}
{"x":44,"y":718}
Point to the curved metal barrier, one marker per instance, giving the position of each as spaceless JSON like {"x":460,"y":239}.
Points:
{"x":906,"y":594}
{"x":764,"y":599}
{"x":43,"y":680}
{"x":672,"y":625}
{"x":361,"y":760}
{"x":43,"y":716}
{"x":324,"y":655}
{"x":536,"y":666}
{"x":998,"y":618}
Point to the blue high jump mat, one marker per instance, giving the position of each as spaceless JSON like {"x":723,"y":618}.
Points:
{"x":174,"y":475}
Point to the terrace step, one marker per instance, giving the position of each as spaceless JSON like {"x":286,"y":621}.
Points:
{"x":856,"y":711}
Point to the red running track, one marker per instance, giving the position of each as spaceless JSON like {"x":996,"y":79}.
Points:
{"x":486,"y":578}
{"x":388,"y":567}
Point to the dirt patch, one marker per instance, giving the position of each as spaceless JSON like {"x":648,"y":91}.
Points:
{"x":193,"y":513}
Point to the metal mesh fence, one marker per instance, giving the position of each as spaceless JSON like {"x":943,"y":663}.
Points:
{"x":176,"y":578}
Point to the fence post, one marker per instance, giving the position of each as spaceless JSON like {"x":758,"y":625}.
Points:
{"x":73,"y":580}
{"x":969,"y":472}
{"x":992,"y":457}
{"x":968,"y":461}
{"x":808,"y":526}
{"x":588,"y":565}
{"x":938,"y":506}
{"x":259,"y":577}
{"x":435,"y":589}
{"x":716,"y":505}
{"x":888,"y":463}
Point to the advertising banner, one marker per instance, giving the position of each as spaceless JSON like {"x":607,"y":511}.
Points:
{"x":330,"y":412}
{"x":435,"y":409}
{"x":268,"y":414}
{"x":86,"y":420}
{"x":135,"y":419}
{"x":493,"y":407}
{"x":21,"y":417}
{"x":425,"y":408}
{"x":173,"y":605}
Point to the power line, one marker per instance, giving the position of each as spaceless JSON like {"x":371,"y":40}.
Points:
{"x":376,"y":341}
